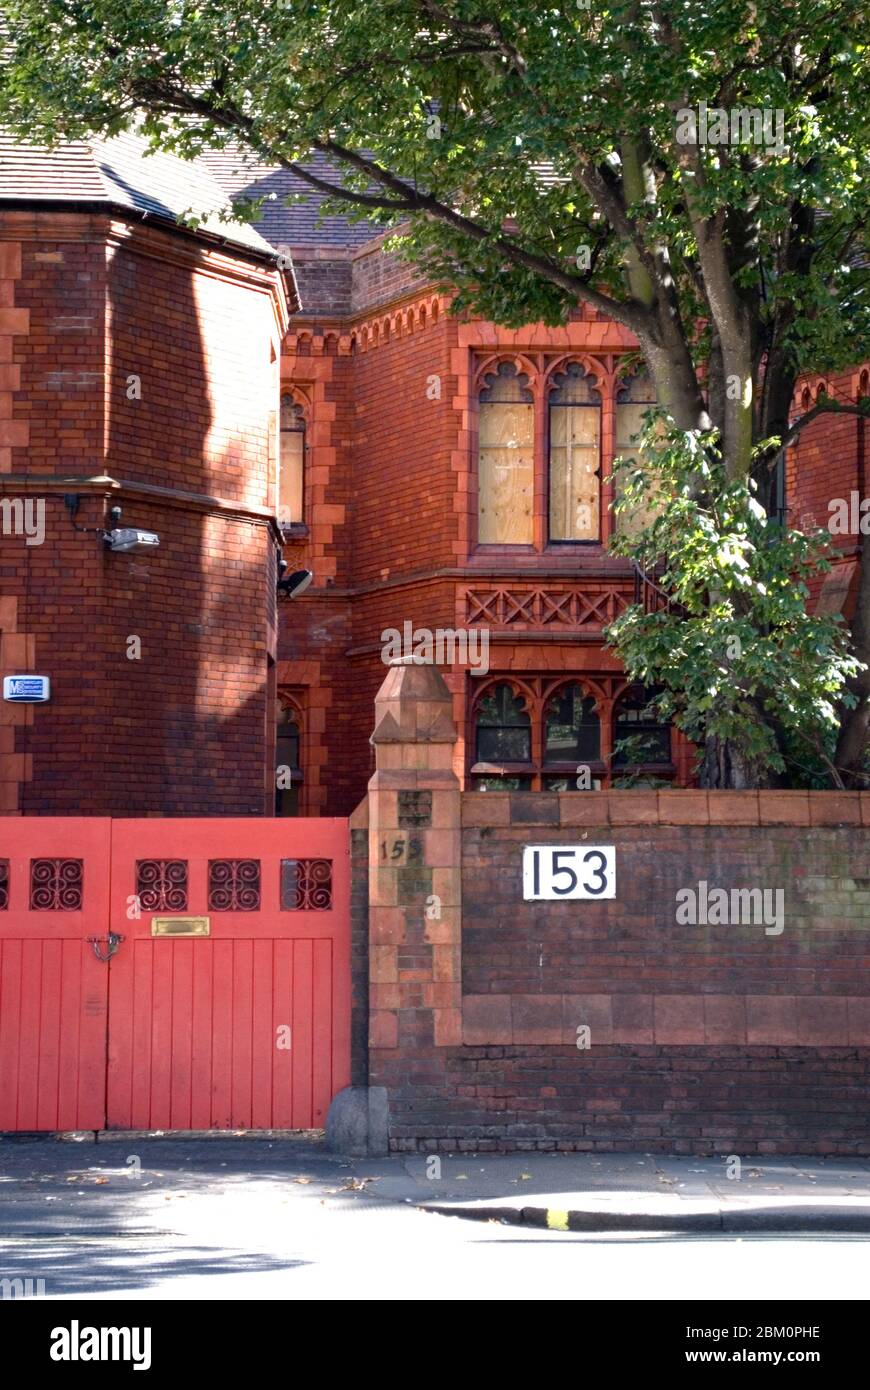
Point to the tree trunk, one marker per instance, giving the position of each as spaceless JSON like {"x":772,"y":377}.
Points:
{"x":724,"y":769}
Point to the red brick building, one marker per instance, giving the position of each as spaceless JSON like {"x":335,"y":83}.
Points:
{"x":437,"y":475}
{"x":138,"y":370}
{"x":394,"y":412}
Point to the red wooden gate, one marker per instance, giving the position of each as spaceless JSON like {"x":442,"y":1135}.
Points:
{"x":54,"y":893}
{"x":245,"y":1026}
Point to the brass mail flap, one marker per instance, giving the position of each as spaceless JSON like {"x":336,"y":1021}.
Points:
{"x":180,"y":926}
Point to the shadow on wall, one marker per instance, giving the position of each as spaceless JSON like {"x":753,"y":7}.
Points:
{"x":171,"y":713}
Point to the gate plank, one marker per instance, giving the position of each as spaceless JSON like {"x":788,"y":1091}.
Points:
{"x":182,"y":1033}
{"x":321,"y":1027}
{"x":71,"y":1018}
{"x":222,"y":1035}
{"x":303,"y":1109}
{"x":243,"y":1023}
{"x":201,"y":1040}
{"x":282,"y":1016}
{"x":51,"y":989}
{"x":11,"y":963}
{"x":264,"y":1036}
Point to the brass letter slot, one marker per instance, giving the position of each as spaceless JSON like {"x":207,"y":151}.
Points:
{"x":180,"y":926}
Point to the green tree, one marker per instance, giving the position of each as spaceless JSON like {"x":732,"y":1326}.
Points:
{"x":748,"y":672}
{"x":542,"y":156}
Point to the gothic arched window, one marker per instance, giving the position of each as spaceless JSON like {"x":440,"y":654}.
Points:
{"x":644,"y":735}
{"x":502,"y":739}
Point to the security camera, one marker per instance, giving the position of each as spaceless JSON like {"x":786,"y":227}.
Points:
{"x":126,"y":539}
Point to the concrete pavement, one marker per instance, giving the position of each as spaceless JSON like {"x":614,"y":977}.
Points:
{"x":131,"y":1182}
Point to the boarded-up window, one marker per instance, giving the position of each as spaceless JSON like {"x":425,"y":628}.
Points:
{"x":506,"y":459}
{"x":635,"y":397}
{"x":575,"y":457}
{"x":292,"y":479}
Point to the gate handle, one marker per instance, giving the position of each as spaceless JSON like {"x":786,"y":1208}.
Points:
{"x":113,"y":941}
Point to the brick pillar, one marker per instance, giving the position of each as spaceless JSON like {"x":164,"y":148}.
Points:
{"x":415,"y":891}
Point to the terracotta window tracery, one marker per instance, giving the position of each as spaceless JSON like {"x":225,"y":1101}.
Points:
{"x":549,"y":427}
{"x":549,"y":733}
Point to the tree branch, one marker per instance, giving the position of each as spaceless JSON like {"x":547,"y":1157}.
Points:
{"x":826,"y":406}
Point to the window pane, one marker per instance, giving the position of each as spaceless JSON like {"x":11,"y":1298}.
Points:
{"x":567,"y":782}
{"x":575,"y":462}
{"x":287,"y":749}
{"x":503,"y":728}
{"x":290,"y":492}
{"x":501,"y":705}
{"x":575,"y":456}
{"x":634,"y":399}
{"x":499,"y":745}
{"x":501,"y":784}
{"x":506,"y":473}
{"x":650,"y":736}
{"x":287,"y":756}
{"x":572,"y":731}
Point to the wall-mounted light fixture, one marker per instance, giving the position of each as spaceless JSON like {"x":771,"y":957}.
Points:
{"x":126,"y":540}
{"x":294,"y":584}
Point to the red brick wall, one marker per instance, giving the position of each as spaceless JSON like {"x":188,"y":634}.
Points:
{"x":704,"y":1039}
{"x":183,"y":729}
{"x":378,"y":278}
{"x":830,"y":461}
{"x":631,"y":945}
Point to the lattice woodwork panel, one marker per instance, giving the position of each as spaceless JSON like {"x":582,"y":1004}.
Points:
{"x":542,"y":608}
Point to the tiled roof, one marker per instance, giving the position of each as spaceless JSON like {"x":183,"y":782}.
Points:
{"x":121,"y":172}
{"x":298,"y":224}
